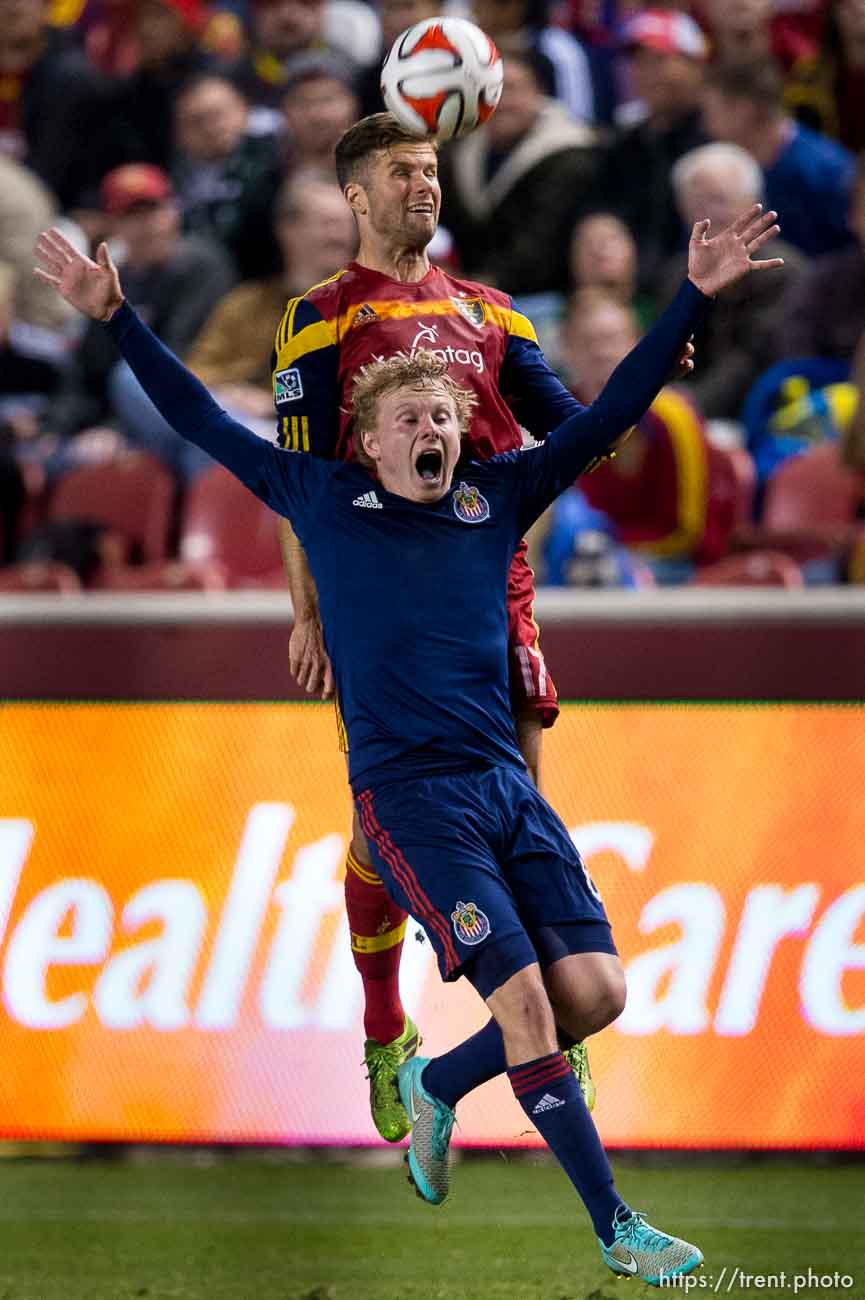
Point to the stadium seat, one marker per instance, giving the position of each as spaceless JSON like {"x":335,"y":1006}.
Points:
{"x":811,"y":504}
{"x":36,"y":576}
{"x":224,"y":524}
{"x":751,"y":569}
{"x":723,"y":503}
{"x":132,"y":496}
{"x":745,"y":478}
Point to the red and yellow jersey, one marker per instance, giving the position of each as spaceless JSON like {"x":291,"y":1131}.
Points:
{"x":660,"y":505}
{"x":360,"y":316}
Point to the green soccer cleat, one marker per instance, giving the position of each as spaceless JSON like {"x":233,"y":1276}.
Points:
{"x":577,"y":1058}
{"x":382,"y":1061}
{"x":432,"y":1122}
{"x":639,"y":1250}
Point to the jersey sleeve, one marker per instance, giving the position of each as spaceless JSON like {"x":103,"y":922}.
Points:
{"x":534,"y":392}
{"x":306,"y":381}
{"x":290,"y":485}
{"x":541,"y":473}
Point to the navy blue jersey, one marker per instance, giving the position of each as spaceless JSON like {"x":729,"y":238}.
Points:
{"x":413,"y":596}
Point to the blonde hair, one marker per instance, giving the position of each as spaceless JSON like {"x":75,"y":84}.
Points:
{"x":423,"y":369}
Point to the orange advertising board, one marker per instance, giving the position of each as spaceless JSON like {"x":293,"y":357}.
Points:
{"x":174,"y":959}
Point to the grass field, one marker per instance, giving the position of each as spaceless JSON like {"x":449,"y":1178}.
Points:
{"x":253,"y":1229}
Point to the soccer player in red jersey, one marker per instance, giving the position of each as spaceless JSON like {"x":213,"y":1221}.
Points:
{"x":391,"y":299}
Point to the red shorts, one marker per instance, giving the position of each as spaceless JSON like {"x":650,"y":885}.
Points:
{"x":532,"y":688}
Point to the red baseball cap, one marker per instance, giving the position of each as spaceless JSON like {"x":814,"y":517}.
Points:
{"x":194,"y":13}
{"x":134,"y":185}
{"x":666,"y":30}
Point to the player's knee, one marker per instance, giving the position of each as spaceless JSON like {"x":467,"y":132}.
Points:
{"x":584,"y":1006}
{"x":524,"y":1014}
{"x":610,"y":998}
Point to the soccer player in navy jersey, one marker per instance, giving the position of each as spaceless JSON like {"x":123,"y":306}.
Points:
{"x":458,"y":831}
{"x":391,"y":299}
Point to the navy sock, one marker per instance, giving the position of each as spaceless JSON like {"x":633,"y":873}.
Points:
{"x":550,"y":1095}
{"x":471,"y":1063}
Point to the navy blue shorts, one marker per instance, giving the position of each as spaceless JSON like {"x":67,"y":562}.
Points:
{"x":488,"y":868}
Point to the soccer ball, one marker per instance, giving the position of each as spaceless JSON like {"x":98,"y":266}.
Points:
{"x":442,"y":78}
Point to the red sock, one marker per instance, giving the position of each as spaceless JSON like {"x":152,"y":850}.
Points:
{"x":377,"y":928}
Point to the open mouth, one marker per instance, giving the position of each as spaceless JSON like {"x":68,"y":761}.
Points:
{"x":429,"y":465}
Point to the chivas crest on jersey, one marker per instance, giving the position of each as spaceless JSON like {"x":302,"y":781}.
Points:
{"x":469,"y":505}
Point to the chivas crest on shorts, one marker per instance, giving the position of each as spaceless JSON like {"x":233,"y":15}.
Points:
{"x":471,"y":925}
{"x":469,"y":505}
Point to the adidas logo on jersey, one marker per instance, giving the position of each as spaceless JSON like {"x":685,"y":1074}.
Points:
{"x":548,"y":1103}
{"x":369,"y":501}
{"x":366,"y":315}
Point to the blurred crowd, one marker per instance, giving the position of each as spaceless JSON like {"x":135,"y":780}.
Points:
{"x":198,"y":140}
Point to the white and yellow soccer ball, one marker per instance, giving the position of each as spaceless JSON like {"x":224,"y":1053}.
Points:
{"x":442,"y":78}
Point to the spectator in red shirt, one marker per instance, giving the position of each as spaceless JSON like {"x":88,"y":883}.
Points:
{"x":744,"y":30}
{"x":656,"y":489}
{"x":829,"y":93}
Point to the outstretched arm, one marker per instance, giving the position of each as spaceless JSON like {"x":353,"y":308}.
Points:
{"x":94,"y":289}
{"x":713,"y":265}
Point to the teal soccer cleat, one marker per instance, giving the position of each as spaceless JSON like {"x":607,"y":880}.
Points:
{"x":639,"y":1250}
{"x":432,"y":1123}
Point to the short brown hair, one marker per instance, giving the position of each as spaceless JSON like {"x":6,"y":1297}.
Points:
{"x":368,"y":136}
{"x":422,"y":369}
{"x":758,"y":81}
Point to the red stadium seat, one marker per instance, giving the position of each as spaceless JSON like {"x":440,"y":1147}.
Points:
{"x":722,"y":505}
{"x":132,"y":496}
{"x":745,"y":478}
{"x":37,"y":576}
{"x":811,"y":503}
{"x":751,"y":569}
{"x":224,"y":524}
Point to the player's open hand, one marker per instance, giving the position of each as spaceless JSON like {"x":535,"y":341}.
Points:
{"x":91,"y":287}
{"x":716,"y":263}
{"x":308,"y":659}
